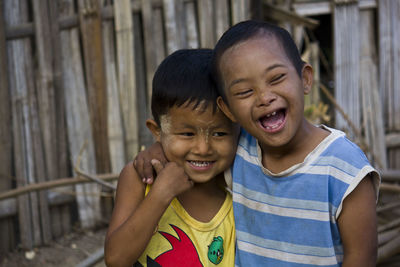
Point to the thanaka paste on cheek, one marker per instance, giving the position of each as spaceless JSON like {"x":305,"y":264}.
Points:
{"x":166,"y":126}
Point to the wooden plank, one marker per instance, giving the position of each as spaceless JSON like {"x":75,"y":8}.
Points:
{"x":145,"y":136}
{"x":115,"y":126}
{"x":171,"y":26}
{"x":148,"y":33}
{"x":160,"y":48}
{"x":78,"y":121}
{"x":24,"y":118}
{"x":46,"y":103}
{"x":221,"y":18}
{"x":127,"y":75}
{"x":240,"y":10}
{"x":206,"y":24}
{"x":392,"y":140}
{"x":90,"y":25}
{"x":371,"y":104}
{"x":283,"y":15}
{"x":7,"y":240}
{"x":61,"y":131}
{"x":324,"y":7}
{"x":346,"y":62}
{"x":191,"y":25}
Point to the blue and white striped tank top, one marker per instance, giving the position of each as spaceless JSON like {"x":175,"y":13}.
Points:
{"x":290,"y":218}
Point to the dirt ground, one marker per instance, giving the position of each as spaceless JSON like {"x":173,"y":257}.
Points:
{"x":68,"y":250}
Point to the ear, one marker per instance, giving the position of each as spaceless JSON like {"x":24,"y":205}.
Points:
{"x":225,"y":109}
{"x":307,"y":78}
{"x":154,"y":129}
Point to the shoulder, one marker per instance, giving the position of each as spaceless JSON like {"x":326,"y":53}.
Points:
{"x":130,"y":180}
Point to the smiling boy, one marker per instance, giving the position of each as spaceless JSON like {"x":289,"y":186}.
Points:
{"x":303,"y":195}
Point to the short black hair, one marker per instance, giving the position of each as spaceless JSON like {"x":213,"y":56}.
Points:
{"x":184,"y":77}
{"x":249,"y":29}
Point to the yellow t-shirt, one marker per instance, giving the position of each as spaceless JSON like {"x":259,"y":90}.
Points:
{"x":180,"y":240}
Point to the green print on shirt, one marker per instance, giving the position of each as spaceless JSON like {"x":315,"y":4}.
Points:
{"x":216,"y":250}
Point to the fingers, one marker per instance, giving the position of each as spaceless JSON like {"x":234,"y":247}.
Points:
{"x":157,"y":165}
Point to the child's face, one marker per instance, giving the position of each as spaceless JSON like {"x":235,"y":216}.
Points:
{"x":202,"y":142}
{"x":265,"y":94}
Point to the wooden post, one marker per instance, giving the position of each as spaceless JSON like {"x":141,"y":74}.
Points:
{"x":90,"y":25}
{"x":7,"y":240}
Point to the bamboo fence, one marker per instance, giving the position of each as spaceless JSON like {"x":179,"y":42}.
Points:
{"x":75,"y":86}
{"x":75,"y":83}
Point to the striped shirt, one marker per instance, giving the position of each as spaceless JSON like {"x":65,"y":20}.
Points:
{"x":290,"y":218}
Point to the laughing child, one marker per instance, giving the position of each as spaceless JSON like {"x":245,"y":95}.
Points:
{"x":303,"y":195}
{"x":185,"y":218}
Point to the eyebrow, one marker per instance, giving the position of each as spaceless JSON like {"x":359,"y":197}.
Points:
{"x":274,"y":66}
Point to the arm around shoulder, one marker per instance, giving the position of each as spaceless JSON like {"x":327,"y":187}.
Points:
{"x":358,"y":225}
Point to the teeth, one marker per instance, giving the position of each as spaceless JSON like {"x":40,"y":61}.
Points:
{"x":271,"y":114}
{"x":200,"y":163}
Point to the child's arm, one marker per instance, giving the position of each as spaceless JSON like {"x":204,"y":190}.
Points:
{"x":358,"y":226}
{"x":135,"y":216}
{"x":142,"y":161}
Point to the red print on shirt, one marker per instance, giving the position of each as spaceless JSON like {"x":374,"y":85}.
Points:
{"x":183,"y":252}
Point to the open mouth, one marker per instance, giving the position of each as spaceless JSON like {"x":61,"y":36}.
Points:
{"x":273,"y":121}
{"x":201,"y":164}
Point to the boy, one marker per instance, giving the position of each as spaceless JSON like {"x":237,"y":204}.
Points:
{"x":303,"y":195}
{"x":185,"y":218}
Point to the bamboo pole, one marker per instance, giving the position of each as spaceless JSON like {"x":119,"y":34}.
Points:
{"x":346,"y":60}
{"x":7,"y":240}
{"x":371,"y":103}
{"x":206,"y":25}
{"x":24,"y":112}
{"x":78,"y":121}
{"x":221,"y":18}
{"x":115,"y":126}
{"x":57,"y":183}
{"x":191,"y":25}
{"x":61,"y":224}
{"x":171,"y":26}
{"x":127,"y":75}
{"x":90,"y":25}
{"x":148,"y":32}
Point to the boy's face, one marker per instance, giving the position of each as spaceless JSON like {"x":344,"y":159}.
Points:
{"x":265,"y":94}
{"x":203,"y":143}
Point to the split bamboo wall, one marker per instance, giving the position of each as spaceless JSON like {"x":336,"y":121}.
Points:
{"x":75,"y":80}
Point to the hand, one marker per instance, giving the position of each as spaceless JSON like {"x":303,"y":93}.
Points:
{"x":143,"y":165}
{"x":171,"y":179}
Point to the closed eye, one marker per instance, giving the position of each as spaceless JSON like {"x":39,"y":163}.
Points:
{"x":277,"y":78}
{"x":244,"y":93}
{"x":188,"y":134}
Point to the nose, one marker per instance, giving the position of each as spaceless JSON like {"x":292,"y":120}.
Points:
{"x":202,"y":145}
{"x":265,"y":97}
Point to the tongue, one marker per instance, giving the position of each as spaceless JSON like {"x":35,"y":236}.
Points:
{"x":273,"y":121}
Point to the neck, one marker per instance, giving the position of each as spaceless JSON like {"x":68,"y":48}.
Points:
{"x":204,"y":200}
{"x":278,"y":159}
